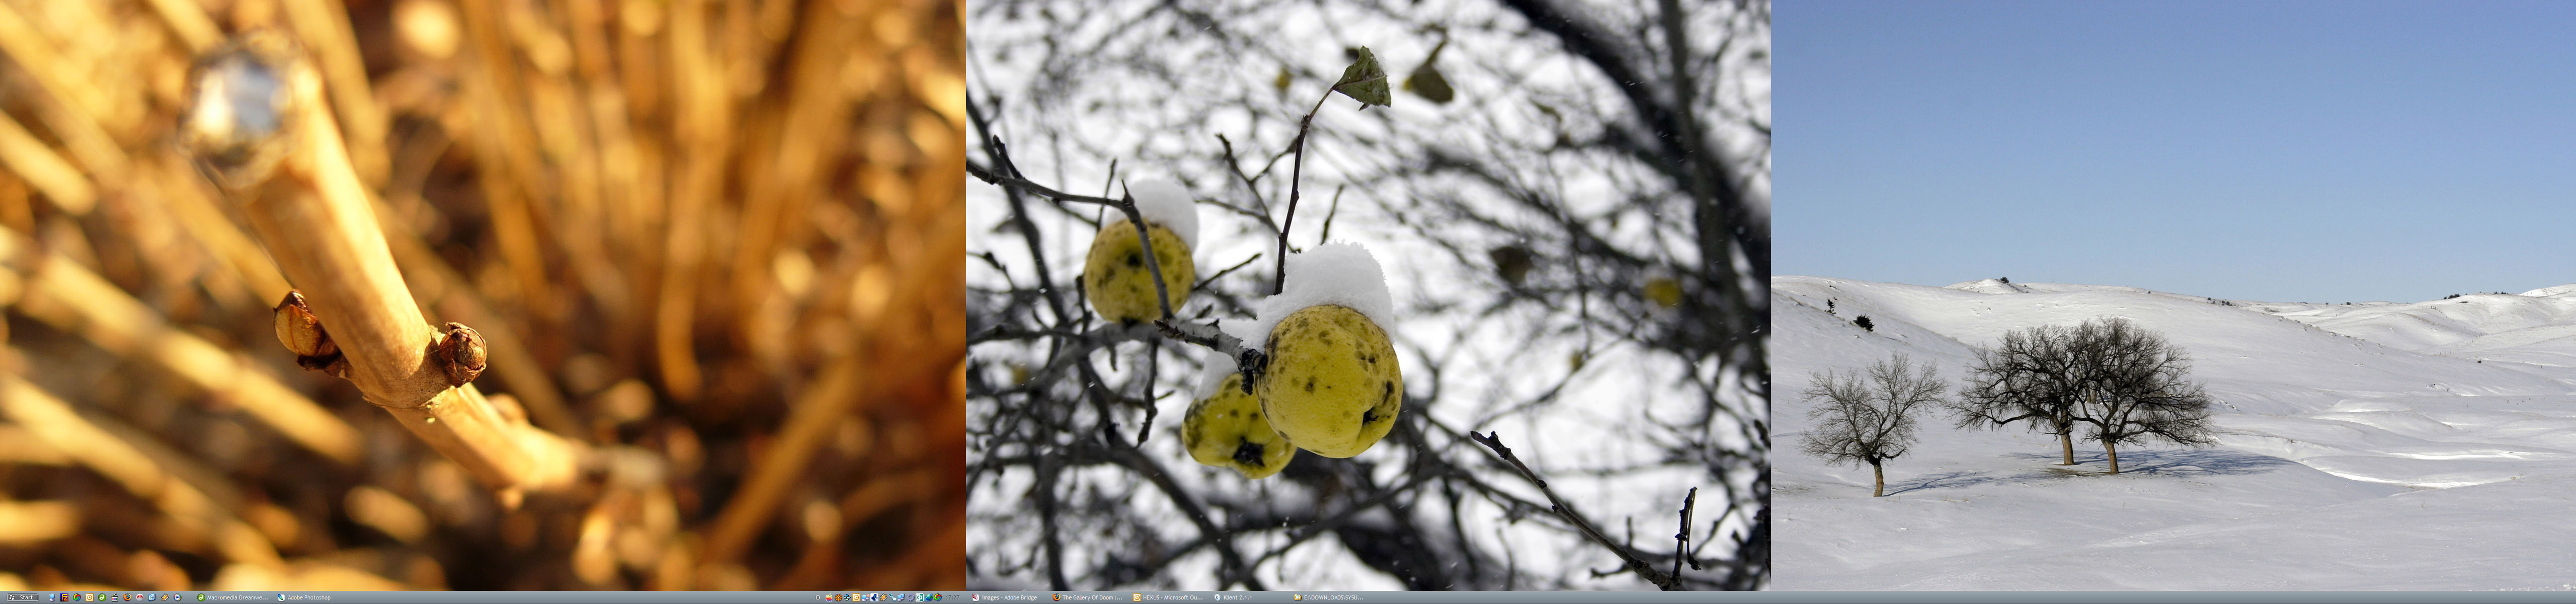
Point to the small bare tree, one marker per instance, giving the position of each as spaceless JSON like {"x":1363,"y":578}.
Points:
{"x":2135,"y":389}
{"x":2031,"y":377}
{"x":1872,"y":422}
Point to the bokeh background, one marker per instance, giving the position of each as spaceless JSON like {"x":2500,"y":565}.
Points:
{"x":722,"y":234}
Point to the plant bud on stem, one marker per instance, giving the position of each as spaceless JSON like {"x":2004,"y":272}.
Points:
{"x":299,"y":330}
{"x":257,"y":130}
{"x":461,"y":354}
{"x":302,"y":334}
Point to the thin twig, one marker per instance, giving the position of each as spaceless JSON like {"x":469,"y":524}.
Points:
{"x":1251,"y":361}
{"x":1236,"y":570}
{"x":1297,"y":172}
{"x":1203,"y":283}
{"x":1330,"y":211}
{"x":1565,"y":510}
{"x":1682,"y":552}
{"x":1020,"y":221}
{"x":1125,"y":204}
{"x":1014,"y":181}
{"x":1232,"y":165}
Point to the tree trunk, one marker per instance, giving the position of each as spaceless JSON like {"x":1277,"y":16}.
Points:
{"x":2114,"y":451}
{"x":2066,"y":445}
{"x":1879,"y":490}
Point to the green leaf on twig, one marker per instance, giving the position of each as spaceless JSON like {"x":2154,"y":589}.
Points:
{"x":1426,"y":80}
{"x":1365,"y":81}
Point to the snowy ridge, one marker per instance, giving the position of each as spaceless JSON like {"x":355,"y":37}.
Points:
{"x":1989,"y":286}
{"x":2568,"y":290}
{"x":2521,"y":328}
{"x":2444,"y":431}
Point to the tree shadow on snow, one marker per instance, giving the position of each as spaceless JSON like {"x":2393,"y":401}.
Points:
{"x":1962,"y":478}
{"x":2153,"y":462}
{"x":2174,"y":462}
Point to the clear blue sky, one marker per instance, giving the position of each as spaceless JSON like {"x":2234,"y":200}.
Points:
{"x":2277,"y":151}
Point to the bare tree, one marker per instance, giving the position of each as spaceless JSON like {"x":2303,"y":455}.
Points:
{"x":1871,"y":422}
{"x":2028,"y":378}
{"x":2135,"y":389}
{"x":2123,"y":381}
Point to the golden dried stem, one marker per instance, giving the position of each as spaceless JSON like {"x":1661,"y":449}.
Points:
{"x":815,"y":416}
{"x":451,"y":295}
{"x":820,"y":562}
{"x":637,"y":156}
{"x":320,"y":225}
{"x":24,"y":523}
{"x":74,"y":108}
{"x":20,"y":38}
{"x":198,"y":214}
{"x":47,"y":171}
{"x":700,"y":125}
{"x":610,"y":164}
{"x":323,"y":25}
{"x":20,"y":447}
{"x":189,"y":20}
{"x":153,"y":478}
{"x":505,"y":152}
{"x":816,"y":93}
{"x":61,"y":293}
{"x":582,"y":221}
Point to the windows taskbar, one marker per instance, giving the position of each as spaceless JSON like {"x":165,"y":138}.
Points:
{"x":1390,"y":597}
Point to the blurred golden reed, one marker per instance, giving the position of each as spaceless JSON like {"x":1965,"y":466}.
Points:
{"x":717,"y":244}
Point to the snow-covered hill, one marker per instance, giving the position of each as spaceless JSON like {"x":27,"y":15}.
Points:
{"x":2537,"y":327}
{"x":2365,"y":446}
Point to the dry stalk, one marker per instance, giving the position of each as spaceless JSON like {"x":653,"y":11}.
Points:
{"x":450,"y":294}
{"x":72,"y":107}
{"x":580,"y":219}
{"x":768,"y":215}
{"x":816,"y":416}
{"x":20,"y":38}
{"x":816,"y":567}
{"x":320,"y":225}
{"x":323,"y":25}
{"x":844,"y":387}
{"x":506,"y":151}
{"x":189,"y":20}
{"x":700,"y":124}
{"x":18,"y":446}
{"x":60,"y":293}
{"x":197,"y":212}
{"x":24,"y":523}
{"x":610,"y":164}
{"x":153,"y":478}
{"x":45,"y":170}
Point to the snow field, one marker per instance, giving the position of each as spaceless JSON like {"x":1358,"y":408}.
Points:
{"x":2362,"y":446}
